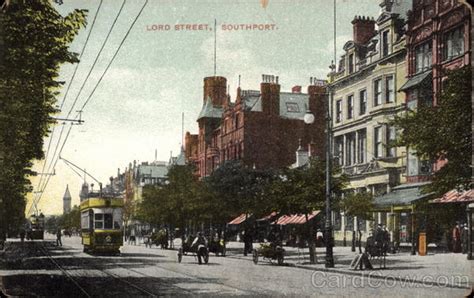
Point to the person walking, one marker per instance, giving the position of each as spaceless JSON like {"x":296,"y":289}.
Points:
{"x":464,"y":238}
{"x":58,"y":238}
{"x":456,"y":238}
{"x":22,"y":235}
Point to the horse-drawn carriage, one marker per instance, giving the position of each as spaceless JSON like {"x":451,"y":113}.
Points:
{"x":217,"y":246}
{"x":159,"y":238}
{"x":378,"y":245}
{"x":199,"y":251}
{"x":270,"y":252}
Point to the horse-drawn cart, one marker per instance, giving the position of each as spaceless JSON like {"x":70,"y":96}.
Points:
{"x":270,"y":252}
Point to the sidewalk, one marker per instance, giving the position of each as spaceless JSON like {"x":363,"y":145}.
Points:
{"x":442,"y":269}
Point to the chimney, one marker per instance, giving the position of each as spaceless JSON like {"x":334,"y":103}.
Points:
{"x":317,"y":105}
{"x":215,"y":88}
{"x":270,"y":95}
{"x":363,"y":29}
{"x":296,"y":89}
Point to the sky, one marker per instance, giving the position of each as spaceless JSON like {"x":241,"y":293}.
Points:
{"x":158,"y":75}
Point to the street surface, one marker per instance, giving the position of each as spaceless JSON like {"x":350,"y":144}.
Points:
{"x":141,"y":271}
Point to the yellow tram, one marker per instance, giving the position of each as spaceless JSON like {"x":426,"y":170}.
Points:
{"x":101,"y":223}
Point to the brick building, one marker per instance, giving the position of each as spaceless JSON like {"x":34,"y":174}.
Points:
{"x":438,"y":38}
{"x":262,"y":128}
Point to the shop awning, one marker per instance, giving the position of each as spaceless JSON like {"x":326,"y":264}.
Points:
{"x":239,"y":219}
{"x":402,"y":195}
{"x":268,"y":217}
{"x":416,"y":80}
{"x":455,"y":196}
{"x":295,"y":219}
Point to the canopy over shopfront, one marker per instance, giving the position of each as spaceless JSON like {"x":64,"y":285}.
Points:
{"x":455,"y":196}
{"x":239,"y":219}
{"x":295,"y":219}
{"x":402,"y":197}
{"x":268,"y":217}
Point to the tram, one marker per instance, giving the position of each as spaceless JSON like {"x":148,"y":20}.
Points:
{"x":35,"y":228}
{"x":101,"y":223}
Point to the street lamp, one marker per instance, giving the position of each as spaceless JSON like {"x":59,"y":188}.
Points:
{"x":309,"y":119}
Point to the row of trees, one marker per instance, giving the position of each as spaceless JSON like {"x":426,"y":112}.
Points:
{"x":69,"y":221}
{"x":34,"y":41}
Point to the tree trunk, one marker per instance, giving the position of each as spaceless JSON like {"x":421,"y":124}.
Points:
{"x":312,"y":249}
{"x":360,"y":241}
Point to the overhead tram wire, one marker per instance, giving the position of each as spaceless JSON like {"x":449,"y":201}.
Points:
{"x":84,"y":83}
{"x":88,"y":75}
{"x":97,"y":57}
{"x":85,"y":80}
{"x":67,"y":91}
{"x":90,"y":96}
{"x":115,"y":55}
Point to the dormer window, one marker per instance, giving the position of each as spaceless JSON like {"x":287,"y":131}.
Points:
{"x":351,"y":63}
{"x":385,"y":43}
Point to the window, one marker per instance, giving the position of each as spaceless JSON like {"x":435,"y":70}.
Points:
{"x":351,"y":63}
{"x":391,"y":137}
{"x":362,"y":102}
{"x":423,"y":54}
{"x":292,"y":107}
{"x":350,"y":149}
{"x":378,"y":142}
{"x":338,"y":110}
{"x":361,"y":145}
{"x":350,"y":106}
{"x":338,"y":149}
{"x":453,"y":43}
{"x":389,"y":93}
{"x":385,"y":46}
{"x":377,"y":92}
{"x":99,"y":221}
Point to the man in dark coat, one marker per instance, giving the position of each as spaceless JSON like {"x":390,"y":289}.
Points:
{"x":456,"y":238}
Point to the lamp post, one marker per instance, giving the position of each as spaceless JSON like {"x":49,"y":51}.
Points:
{"x":309,"y":119}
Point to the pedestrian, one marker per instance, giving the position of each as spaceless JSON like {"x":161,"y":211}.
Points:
{"x":456,"y":238}
{"x":58,"y":238}
{"x":247,"y":242}
{"x":464,"y":238}
{"x":22,"y":235}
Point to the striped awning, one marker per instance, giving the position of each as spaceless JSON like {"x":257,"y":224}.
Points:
{"x":239,"y":219}
{"x":295,"y":219}
{"x":268,"y":217}
{"x":454,"y":196}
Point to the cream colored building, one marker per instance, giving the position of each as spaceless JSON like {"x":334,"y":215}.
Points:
{"x":364,"y":100}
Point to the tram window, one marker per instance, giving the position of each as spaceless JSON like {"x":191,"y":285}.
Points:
{"x":108,"y":221}
{"x":99,"y":221}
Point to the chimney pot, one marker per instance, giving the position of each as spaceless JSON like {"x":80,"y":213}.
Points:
{"x":296,"y":89}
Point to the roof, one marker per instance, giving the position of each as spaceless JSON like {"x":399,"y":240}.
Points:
{"x":67,"y":194}
{"x":239,"y":219}
{"x":293,"y":219}
{"x":454,"y":196}
{"x":416,"y":80}
{"x":404,"y":194}
{"x":209,"y":110}
{"x":153,"y":171}
{"x":268,"y":217}
{"x":292,"y":105}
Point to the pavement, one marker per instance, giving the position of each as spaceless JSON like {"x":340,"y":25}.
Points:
{"x":157,"y":271}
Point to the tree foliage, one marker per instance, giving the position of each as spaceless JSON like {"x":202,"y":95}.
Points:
{"x":443,"y":132}
{"x":35,"y":40}
{"x":359,"y":204}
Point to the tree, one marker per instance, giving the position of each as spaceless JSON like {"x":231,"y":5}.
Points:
{"x":443,"y":132}
{"x":36,"y":39}
{"x":239,"y":188}
{"x":358,"y":205}
{"x":302,"y":191}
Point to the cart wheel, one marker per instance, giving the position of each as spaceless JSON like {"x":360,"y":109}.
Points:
{"x":255,"y":256}
{"x":180,"y":255}
{"x":280,"y":259}
{"x":223,"y":251}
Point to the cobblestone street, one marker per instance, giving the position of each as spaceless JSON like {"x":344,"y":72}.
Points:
{"x":141,"y":271}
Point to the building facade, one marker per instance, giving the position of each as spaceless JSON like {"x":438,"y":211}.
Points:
{"x":364,"y":101}
{"x":438,"y":39}
{"x":262,"y":128}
